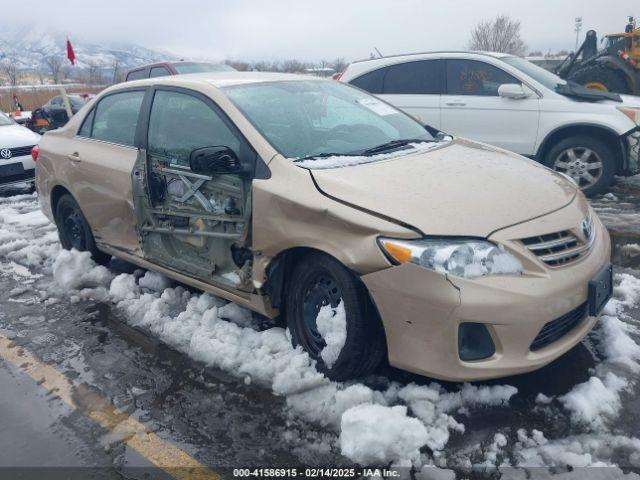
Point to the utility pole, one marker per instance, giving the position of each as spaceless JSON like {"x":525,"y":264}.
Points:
{"x":577,"y":28}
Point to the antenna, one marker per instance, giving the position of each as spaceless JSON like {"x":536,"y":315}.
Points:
{"x":378,"y":52}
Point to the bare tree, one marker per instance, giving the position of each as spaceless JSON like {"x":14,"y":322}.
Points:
{"x":10,"y":69}
{"x":117,"y":73}
{"x":502,"y":34}
{"x":339,"y":64}
{"x":55,"y":66}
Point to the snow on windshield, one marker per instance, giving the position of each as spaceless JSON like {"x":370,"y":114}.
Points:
{"x":338,"y":161}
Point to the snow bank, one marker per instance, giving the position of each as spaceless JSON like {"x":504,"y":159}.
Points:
{"x":392,"y":424}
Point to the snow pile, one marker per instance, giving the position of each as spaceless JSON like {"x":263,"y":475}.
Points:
{"x":339,"y":161}
{"x":73,"y":270}
{"x":535,"y":450}
{"x":371,"y":434}
{"x":32,"y":242}
{"x":332,"y":325}
{"x":595,"y":400}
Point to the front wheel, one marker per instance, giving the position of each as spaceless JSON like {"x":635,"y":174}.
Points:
{"x":74,"y":230}
{"x":589,"y":161}
{"x":330,"y":315}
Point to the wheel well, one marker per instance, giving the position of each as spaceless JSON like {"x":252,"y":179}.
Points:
{"x":56,"y":193}
{"x":603,"y":134}
{"x":278,"y":271}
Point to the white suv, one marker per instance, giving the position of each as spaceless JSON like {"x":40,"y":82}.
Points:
{"x":511,"y":103}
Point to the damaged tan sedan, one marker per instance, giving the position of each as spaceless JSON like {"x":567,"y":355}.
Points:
{"x":313,"y":201}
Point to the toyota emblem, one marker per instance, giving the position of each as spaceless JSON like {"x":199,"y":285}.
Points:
{"x":5,"y":153}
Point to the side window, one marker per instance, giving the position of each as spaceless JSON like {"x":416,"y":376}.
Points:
{"x":471,"y":77}
{"x":116,"y":117}
{"x":56,"y":101}
{"x":423,"y":77}
{"x":85,"y":129}
{"x":370,"y":82}
{"x":137,"y":74}
{"x":180,"y":123}
{"x":159,"y":72}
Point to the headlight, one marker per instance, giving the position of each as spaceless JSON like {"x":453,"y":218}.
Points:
{"x":632,"y":113}
{"x":461,"y":257}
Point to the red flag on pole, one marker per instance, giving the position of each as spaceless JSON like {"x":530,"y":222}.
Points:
{"x":71,"y":55}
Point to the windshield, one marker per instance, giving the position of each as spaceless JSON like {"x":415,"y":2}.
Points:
{"x":202,"y":67}
{"x":305,"y":118}
{"x":4,"y":120}
{"x":76,"y":101}
{"x":545,"y":77}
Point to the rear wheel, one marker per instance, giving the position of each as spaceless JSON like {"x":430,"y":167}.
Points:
{"x":589,"y":161}
{"x":601,"y":78}
{"x":319,"y":280}
{"x":74,"y":230}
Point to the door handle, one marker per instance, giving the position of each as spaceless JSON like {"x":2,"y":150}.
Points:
{"x":455,"y":104}
{"x":74,"y":157}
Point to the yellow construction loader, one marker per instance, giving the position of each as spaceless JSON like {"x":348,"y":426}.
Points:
{"x":613,"y":68}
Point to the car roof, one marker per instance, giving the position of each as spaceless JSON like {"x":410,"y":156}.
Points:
{"x":436,"y":52}
{"x":217,"y":79}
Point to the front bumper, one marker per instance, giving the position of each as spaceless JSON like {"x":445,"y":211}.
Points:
{"x":630,"y":144}
{"x":17,"y":170}
{"x":421,"y":309}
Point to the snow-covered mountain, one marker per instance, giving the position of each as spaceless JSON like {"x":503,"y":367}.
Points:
{"x":31,"y":46}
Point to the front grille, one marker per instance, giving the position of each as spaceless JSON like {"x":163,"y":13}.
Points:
{"x":21,"y":151}
{"x":559,"y":248}
{"x":559,"y":327}
{"x":26,"y":175}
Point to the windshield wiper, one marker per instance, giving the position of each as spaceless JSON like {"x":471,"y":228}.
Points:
{"x":391,"y":145}
{"x":321,"y":155}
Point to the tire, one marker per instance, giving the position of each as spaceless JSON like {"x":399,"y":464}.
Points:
{"x":596,"y":75}
{"x":318,"y":279}
{"x":74,"y":230}
{"x":560,"y":159}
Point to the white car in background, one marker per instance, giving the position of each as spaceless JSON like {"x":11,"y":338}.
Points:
{"x":16,"y":143}
{"x":511,"y":103}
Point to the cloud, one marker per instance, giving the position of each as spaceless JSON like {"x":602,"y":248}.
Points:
{"x":311,"y":30}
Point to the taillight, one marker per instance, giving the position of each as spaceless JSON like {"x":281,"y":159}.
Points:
{"x":337,"y":76}
{"x":34,"y":153}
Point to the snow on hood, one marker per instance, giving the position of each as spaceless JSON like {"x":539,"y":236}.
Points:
{"x":338,"y":161}
{"x":465,"y":188}
{"x":12,"y":136}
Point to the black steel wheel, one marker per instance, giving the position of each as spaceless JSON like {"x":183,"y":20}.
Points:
{"x":74,"y":230}
{"x":317,"y":280}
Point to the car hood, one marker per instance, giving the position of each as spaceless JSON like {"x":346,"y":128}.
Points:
{"x":465,"y":188}
{"x":12,"y":136}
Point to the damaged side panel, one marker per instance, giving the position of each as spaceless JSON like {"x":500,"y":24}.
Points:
{"x":189,"y":222}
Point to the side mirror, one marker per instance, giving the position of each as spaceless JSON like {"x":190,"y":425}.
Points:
{"x":215,"y":161}
{"x":513,"y":91}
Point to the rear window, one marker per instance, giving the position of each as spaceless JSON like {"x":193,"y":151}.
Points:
{"x":116,"y":117}
{"x":159,"y":72}
{"x":423,"y":77}
{"x":137,"y":74}
{"x":202,"y":67}
{"x":370,"y":82}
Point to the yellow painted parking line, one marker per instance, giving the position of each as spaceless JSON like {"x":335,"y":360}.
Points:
{"x":159,"y":452}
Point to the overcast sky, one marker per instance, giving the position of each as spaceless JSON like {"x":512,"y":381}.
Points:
{"x":313,"y":30}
